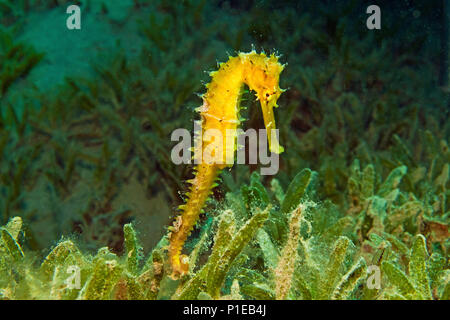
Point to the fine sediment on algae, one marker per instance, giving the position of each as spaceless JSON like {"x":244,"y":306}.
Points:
{"x":305,"y":255}
{"x":363,"y":183}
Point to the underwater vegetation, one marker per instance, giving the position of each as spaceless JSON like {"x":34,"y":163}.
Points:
{"x":363,"y":180}
{"x":270,"y":244}
{"x":17,"y":59}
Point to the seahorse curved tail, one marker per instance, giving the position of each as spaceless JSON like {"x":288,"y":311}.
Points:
{"x":201,"y":189}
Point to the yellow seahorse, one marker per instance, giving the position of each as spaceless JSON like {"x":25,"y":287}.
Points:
{"x":220,"y":111}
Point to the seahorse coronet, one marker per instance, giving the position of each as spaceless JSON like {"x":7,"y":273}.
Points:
{"x":220,"y":110}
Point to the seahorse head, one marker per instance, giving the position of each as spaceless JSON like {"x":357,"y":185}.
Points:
{"x":262,"y":75}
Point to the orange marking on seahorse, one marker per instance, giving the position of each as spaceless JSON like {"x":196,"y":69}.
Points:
{"x":220,"y":111}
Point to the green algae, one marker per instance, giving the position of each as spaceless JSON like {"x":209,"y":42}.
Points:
{"x":366,"y":156}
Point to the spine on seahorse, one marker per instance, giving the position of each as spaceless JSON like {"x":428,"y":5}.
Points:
{"x":220,"y":111}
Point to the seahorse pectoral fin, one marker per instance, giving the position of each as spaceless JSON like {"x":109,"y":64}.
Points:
{"x":269,"y":122}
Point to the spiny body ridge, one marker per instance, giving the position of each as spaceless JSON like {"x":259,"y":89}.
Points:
{"x":220,"y":111}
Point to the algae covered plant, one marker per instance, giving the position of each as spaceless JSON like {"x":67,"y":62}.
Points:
{"x":224,"y":150}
